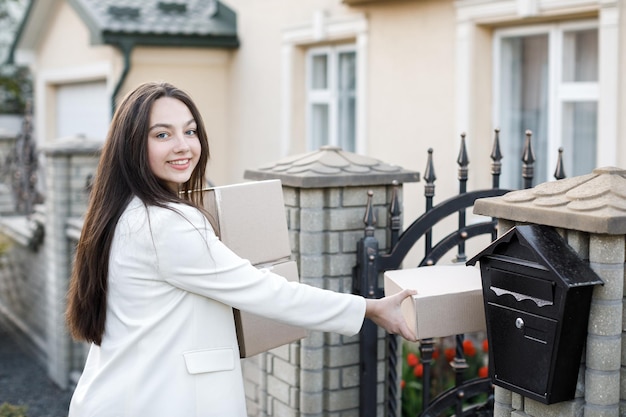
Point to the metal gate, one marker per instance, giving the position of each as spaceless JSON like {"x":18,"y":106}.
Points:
{"x":371,"y":263}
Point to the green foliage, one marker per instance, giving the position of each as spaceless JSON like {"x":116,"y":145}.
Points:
{"x":5,"y":244}
{"x":9,"y":410}
{"x":15,"y":81}
{"x":10,"y":14}
{"x":15,"y":89}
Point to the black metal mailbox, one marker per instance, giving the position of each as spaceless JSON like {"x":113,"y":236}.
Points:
{"x":537,"y":295}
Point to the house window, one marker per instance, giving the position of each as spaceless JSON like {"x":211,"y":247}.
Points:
{"x":546,"y":80}
{"x":331,"y":97}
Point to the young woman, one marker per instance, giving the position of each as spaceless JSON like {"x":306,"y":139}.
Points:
{"x":153,"y":288}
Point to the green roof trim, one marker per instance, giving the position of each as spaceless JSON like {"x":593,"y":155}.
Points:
{"x":18,"y":33}
{"x":170,"y":40}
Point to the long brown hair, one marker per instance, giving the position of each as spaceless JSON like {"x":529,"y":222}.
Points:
{"x":123,"y":172}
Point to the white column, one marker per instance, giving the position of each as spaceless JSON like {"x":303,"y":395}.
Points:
{"x":464,"y":74}
{"x":57,"y":211}
{"x":286,"y":90}
{"x":608,"y":82}
{"x":362,"y":44}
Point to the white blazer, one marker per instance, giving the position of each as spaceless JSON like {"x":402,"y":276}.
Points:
{"x":169,"y":347}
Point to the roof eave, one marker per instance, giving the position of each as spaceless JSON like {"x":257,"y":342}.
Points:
{"x":89,"y":20}
{"x":27,"y":18}
{"x":227,"y":41}
{"x":225,"y":36}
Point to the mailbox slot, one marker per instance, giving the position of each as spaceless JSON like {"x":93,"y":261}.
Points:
{"x":538,"y":290}
{"x":537,"y":296}
{"x":513,"y":282}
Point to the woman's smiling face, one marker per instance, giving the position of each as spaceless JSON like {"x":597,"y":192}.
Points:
{"x":173,"y":143}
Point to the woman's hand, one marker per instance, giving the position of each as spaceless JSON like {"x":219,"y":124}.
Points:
{"x":386,"y":313}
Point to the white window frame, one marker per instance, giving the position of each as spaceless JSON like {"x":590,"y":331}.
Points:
{"x":559,"y":92}
{"x":328,"y":96}
{"x":46,"y":82}
{"x":330,"y":29}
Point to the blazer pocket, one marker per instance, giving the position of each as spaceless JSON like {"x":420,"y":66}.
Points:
{"x":209,"y":360}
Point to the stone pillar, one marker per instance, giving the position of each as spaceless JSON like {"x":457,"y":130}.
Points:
{"x":589,"y":212}
{"x":7,"y":144}
{"x":68,"y":165}
{"x":325,"y":196}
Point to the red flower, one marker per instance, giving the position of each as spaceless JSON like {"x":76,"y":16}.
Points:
{"x":450,"y":353}
{"x":468,"y":348}
{"x":436,"y":353}
{"x":483,"y":372}
{"x":402,"y":384}
{"x":418,"y":371}
{"x":485,"y":345}
{"x":412,"y":360}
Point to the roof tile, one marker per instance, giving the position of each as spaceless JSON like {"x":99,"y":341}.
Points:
{"x":145,"y":17}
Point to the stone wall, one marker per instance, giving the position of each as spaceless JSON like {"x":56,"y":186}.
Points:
{"x":326,"y":195}
{"x":317,"y":376}
{"x":22,"y":279}
{"x":69,"y":164}
{"x":36,"y":262}
{"x":7,"y":205}
{"x":320,"y":374}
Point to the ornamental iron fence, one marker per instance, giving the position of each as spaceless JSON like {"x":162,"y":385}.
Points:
{"x":461,"y":399}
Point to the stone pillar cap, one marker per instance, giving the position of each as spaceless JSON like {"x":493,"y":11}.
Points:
{"x":72,"y":145}
{"x":330,"y":166}
{"x":594,"y":203}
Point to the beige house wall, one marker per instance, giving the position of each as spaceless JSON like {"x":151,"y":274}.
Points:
{"x":409,"y":84}
{"x":66,"y":55}
{"x":401,"y":69}
{"x":410,"y":59}
{"x":257,"y":77}
{"x":412,"y":94}
{"x":204,"y":73}
{"x":426,"y":77}
{"x":67,"y":43}
{"x":621,"y":109}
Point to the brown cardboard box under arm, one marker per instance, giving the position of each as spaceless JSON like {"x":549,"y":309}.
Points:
{"x":258,"y":334}
{"x":449,"y":299}
{"x":250,"y":219}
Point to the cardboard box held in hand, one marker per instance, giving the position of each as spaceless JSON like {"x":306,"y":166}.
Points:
{"x":247,"y":216}
{"x":449,"y":299}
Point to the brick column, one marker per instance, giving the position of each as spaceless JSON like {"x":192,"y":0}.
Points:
{"x":604,"y":340}
{"x":503,"y":403}
{"x":325,"y":196}
{"x":588,"y":212}
{"x":66,"y":166}
{"x":7,"y":144}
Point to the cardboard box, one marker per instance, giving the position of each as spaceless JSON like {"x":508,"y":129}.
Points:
{"x":250,"y":219}
{"x":250,"y":215}
{"x":449,"y":299}
{"x":258,"y":334}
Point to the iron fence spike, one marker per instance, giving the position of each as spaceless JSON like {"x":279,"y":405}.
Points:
{"x":463,"y":159}
{"x":559,"y":172}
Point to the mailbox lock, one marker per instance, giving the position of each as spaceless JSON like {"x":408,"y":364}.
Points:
{"x":519,"y":323}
